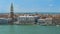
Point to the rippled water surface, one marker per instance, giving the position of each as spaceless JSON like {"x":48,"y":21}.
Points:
{"x":29,"y":29}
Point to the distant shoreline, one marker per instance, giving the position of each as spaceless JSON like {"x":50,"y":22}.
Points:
{"x":31,"y":13}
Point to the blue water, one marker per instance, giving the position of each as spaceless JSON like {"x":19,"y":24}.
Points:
{"x":29,"y":29}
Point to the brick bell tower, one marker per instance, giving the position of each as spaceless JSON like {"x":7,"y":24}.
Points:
{"x":11,"y":9}
{"x":11,"y":14}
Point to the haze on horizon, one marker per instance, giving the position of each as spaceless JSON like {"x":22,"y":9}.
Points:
{"x":30,"y":6}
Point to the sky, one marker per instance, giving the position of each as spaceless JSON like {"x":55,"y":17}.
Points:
{"x":30,"y":6}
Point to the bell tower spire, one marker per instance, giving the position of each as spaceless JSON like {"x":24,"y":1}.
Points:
{"x":12,"y":7}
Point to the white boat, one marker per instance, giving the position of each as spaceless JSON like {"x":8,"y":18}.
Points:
{"x":57,"y":25}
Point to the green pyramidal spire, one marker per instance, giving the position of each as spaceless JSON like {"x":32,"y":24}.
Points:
{"x":11,"y":6}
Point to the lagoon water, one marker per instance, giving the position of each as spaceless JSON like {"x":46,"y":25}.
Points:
{"x":29,"y":29}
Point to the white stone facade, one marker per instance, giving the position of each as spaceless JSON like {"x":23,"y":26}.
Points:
{"x":26,"y":19}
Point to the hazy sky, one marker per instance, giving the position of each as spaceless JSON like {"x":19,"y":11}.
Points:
{"x":30,"y":5}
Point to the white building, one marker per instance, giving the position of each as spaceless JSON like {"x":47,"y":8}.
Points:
{"x":41,"y":21}
{"x":47,"y":21}
{"x":3,"y":21}
{"x":26,"y":19}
